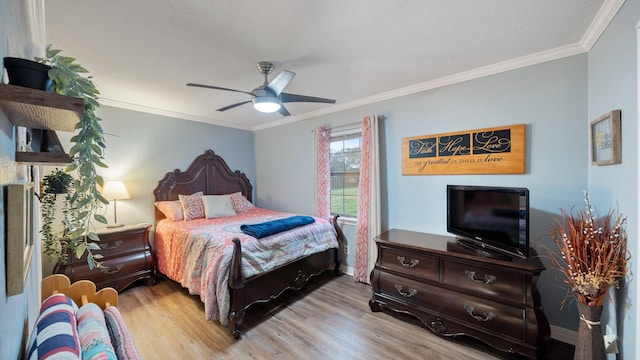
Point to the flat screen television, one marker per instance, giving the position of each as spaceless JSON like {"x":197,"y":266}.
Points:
{"x":491,"y":220}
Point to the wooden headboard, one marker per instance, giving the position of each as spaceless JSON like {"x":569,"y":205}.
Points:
{"x":208,"y":173}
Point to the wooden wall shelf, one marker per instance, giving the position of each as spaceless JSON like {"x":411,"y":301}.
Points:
{"x":43,"y":158}
{"x":37,"y":109}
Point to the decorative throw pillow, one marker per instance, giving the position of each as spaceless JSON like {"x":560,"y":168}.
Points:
{"x":94,"y":336}
{"x":239,"y":202}
{"x":216,"y":206}
{"x":248,"y":205}
{"x":172,"y":210}
{"x":120,"y":336}
{"x":55,"y":334}
{"x":192,"y":206}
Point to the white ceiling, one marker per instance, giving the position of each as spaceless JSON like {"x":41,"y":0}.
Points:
{"x":141,"y":53}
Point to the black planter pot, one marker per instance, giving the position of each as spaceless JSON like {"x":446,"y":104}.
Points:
{"x":27,"y":73}
{"x":57,"y":187}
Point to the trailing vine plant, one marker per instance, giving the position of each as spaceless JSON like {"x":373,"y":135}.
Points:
{"x":84,"y":199}
{"x":54,"y":184}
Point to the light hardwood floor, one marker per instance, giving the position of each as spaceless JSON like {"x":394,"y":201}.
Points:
{"x":329,"y":319}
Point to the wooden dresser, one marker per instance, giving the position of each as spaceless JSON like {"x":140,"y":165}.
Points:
{"x":127,"y":258}
{"x":453,"y":292}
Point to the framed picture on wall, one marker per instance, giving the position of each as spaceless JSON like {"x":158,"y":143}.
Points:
{"x":20,"y":234}
{"x":606,"y":135}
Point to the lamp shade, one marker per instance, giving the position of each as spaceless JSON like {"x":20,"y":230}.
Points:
{"x":115,"y":190}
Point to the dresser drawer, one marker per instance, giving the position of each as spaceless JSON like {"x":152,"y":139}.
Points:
{"x":121,"y":243}
{"x":116,"y":243}
{"x":113,"y":268}
{"x":480,"y":313}
{"x":491,"y":282}
{"x":411,"y":263}
{"x":474,"y":311}
{"x":406,"y":290}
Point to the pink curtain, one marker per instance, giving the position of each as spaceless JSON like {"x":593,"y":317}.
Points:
{"x":368,"y":222}
{"x":323,"y":173}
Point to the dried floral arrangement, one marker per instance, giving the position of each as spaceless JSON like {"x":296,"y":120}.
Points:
{"x":593,"y":252}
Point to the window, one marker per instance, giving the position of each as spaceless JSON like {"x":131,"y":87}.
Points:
{"x":344,"y":158}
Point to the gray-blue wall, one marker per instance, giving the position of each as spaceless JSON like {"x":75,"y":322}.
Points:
{"x":613,"y":84}
{"x":18,"y":312}
{"x":143,"y":147}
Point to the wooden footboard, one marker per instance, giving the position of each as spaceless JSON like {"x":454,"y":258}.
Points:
{"x":268,"y":286}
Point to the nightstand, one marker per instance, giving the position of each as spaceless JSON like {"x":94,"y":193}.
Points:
{"x":127,"y":258}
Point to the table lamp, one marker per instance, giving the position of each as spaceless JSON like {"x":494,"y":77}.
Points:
{"x":115,"y":190}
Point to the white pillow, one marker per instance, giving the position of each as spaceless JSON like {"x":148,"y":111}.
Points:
{"x":216,"y":206}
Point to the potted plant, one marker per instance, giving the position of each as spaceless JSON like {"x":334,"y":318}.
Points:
{"x":593,"y":258}
{"x":27,"y":73}
{"x":84,"y":199}
{"x":56,"y":183}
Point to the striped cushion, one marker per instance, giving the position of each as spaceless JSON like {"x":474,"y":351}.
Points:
{"x":120,"y":336}
{"x":94,"y":336}
{"x":55,"y":335}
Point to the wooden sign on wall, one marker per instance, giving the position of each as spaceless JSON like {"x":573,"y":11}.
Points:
{"x":498,"y":150}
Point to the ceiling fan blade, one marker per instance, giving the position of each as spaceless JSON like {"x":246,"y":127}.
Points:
{"x":233,"y":105}
{"x":283,"y":111}
{"x":285,"y":98}
{"x":218,"y":88}
{"x":279,"y":82}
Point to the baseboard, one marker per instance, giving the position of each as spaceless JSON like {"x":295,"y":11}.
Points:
{"x":348,"y":270}
{"x":564,"y":335}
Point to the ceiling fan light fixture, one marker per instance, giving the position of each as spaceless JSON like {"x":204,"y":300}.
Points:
{"x":266,"y":104}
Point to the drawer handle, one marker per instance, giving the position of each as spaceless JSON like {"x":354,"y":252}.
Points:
{"x":114,"y":246}
{"x":109,"y":271}
{"x":488,"y":279}
{"x":412,"y":292}
{"x":487,"y":316}
{"x":414,"y":262}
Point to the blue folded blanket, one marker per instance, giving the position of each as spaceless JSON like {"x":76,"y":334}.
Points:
{"x":276,"y":226}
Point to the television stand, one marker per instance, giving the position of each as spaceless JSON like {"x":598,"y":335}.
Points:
{"x":478,"y":249}
{"x":455,"y":294}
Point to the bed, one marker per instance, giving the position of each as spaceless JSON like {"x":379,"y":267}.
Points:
{"x":226,"y":278}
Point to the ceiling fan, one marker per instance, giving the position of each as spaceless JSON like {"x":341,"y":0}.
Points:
{"x":269,"y":97}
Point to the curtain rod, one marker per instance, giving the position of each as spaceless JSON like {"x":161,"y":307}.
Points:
{"x":351,"y":125}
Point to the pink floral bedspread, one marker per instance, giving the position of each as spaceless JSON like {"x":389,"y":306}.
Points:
{"x":197,"y":253}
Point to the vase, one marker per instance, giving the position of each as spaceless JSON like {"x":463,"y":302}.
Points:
{"x":590,"y":342}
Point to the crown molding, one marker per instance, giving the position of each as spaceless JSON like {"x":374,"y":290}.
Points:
{"x":517,"y":63}
{"x":167,"y":113}
{"x":599,"y":24}
{"x":604,"y":16}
